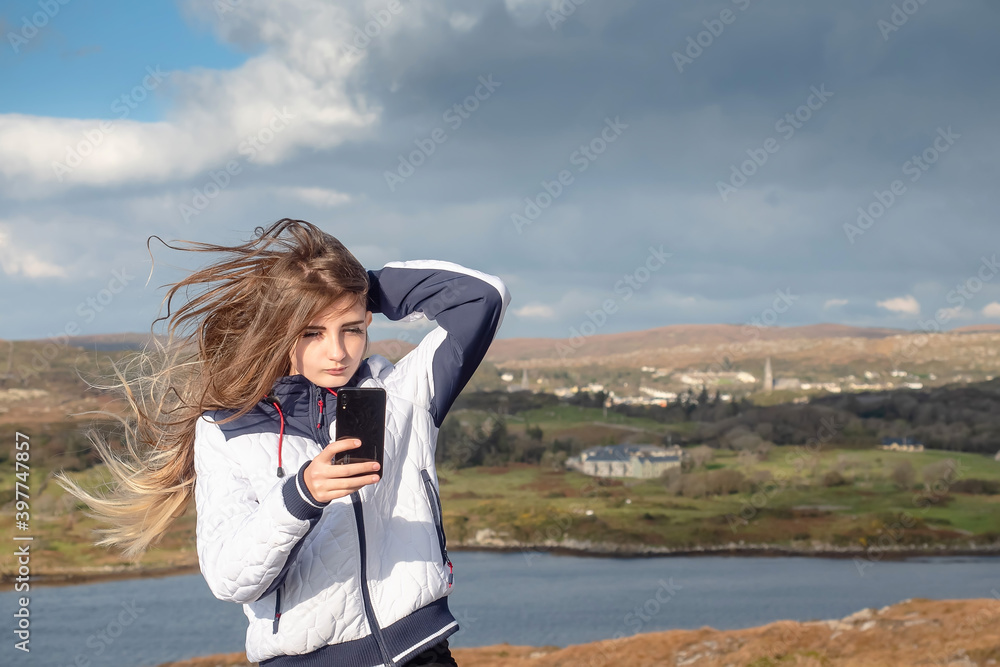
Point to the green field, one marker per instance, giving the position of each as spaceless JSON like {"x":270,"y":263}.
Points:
{"x":784,"y":501}
{"x":538,"y":505}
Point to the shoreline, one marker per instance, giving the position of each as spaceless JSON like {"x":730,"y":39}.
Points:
{"x":97,"y":575}
{"x":915,"y":631}
{"x":580,"y":549}
{"x":605,"y":550}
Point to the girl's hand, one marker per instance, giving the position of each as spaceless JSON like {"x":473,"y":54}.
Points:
{"x":327,"y":481}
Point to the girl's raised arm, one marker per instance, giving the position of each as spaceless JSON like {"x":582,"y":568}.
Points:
{"x":469,"y":307}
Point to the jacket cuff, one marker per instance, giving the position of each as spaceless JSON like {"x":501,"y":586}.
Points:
{"x":299,"y":502}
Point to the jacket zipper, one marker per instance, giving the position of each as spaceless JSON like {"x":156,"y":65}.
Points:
{"x":369,"y":609}
{"x":277,"y":609}
{"x":360,"y":521}
{"x":435,"y":501}
{"x":316,"y":403}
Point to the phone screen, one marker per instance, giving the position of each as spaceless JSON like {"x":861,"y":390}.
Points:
{"x":361,"y":415}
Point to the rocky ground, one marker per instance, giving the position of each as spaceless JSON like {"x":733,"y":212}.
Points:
{"x":950,"y":633}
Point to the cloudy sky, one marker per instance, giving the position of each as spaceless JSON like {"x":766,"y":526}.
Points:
{"x":662,"y":162}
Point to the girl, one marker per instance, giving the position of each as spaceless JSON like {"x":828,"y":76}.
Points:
{"x":333,"y":564}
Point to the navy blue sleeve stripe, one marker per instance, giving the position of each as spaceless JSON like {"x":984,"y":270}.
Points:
{"x":298,"y":500}
{"x":467,"y":304}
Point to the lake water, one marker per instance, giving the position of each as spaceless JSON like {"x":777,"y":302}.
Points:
{"x":531,"y":599}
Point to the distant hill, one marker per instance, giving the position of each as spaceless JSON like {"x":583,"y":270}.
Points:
{"x":392,"y":349}
{"x":112,"y":342}
{"x":815,"y":353}
{"x":526,"y":349}
{"x":818,"y":353}
{"x":977,"y":328}
{"x":511,"y":349}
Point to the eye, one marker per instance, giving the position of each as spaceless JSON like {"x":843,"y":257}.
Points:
{"x":310,"y":334}
{"x":355,"y":330}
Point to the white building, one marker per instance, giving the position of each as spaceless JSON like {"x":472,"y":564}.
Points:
{"x":657,"y":393}
{"x":831,"y":387}
{"x":642,"y":461}
{"x":788,"y":384}
{"x":901,"y":445}
{"x":711,"y":378}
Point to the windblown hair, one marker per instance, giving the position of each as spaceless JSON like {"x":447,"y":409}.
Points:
{"x":225,"y":347}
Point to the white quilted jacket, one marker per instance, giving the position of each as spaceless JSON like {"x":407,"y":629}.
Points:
{"x":362,"y":580}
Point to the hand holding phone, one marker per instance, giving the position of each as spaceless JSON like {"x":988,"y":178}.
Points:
{"x":361,"y":415}
{"x":327,"y":482}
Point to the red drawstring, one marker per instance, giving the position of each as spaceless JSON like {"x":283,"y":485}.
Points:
{"x":281,"y":431}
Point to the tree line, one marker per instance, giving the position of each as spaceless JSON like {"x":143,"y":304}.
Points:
{"x":953,"y":417}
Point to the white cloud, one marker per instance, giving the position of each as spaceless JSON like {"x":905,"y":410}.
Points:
{"x":958,"y":312}
{"x":303,"y":70}
{"x":18,"y":261}
{"x":901,"y":304}
{"x":535,"y":310}
{"x":321,"y":197}
{"x":302,"y":66}
{"x":992,"y":309}
{"x":834,"y":303}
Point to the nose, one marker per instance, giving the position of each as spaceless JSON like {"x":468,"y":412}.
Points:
{"x":335,"y":349}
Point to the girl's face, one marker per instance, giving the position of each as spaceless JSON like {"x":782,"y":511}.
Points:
{"x":330,"y":349}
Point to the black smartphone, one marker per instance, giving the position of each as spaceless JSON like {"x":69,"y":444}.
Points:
{"x":361,"y":415}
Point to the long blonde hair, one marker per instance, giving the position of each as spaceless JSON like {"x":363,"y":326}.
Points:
{"x":225,"y":347}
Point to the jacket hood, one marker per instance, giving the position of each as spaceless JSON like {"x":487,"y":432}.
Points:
{"x":305,"y":407}
{"x":296,"y":390}
{"x":300,"y":398}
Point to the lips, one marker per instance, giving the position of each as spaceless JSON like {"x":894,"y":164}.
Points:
{"x":336,"y":370}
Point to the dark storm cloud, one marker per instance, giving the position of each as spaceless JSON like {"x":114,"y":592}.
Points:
{"x":879,"y":97}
